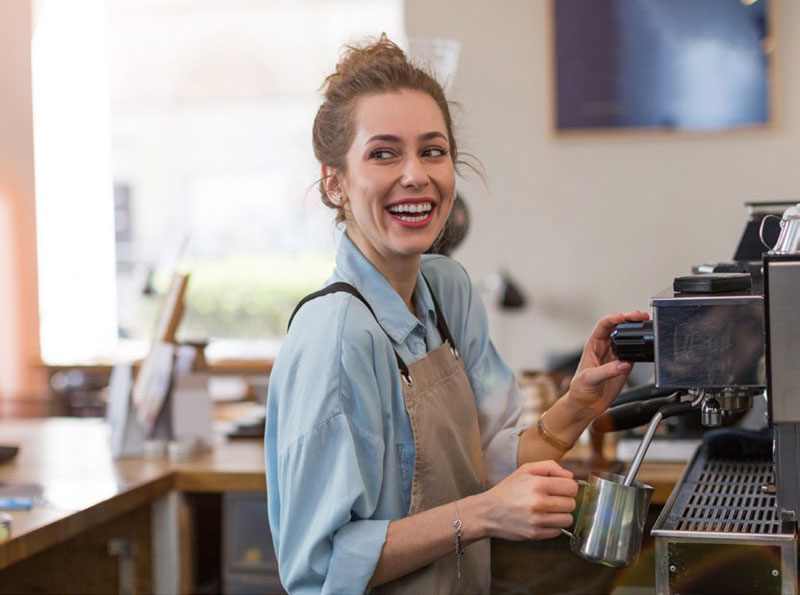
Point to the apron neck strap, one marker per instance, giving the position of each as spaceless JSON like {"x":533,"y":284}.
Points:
{"x":347,"y":288}
{"x":441,"y":323}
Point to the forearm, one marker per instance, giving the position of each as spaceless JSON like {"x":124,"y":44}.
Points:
{"x":563,"y":420}
{"x":418,"y":540}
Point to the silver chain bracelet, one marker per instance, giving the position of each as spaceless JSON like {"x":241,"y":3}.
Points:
{"x":459,"y":548}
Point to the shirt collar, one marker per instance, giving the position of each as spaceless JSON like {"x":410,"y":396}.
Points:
{"x":424,"y":299}
{"x":390,"y":309}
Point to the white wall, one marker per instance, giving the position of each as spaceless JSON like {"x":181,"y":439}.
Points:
{"x":595,"y":224}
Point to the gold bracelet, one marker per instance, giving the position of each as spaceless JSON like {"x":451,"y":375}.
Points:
{"x":556,"y":443}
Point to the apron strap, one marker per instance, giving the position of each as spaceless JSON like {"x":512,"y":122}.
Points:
{"x":347,"y":288}
{"x":441,"y":323}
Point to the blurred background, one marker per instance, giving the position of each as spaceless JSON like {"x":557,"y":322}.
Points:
{"x":138,"y":137}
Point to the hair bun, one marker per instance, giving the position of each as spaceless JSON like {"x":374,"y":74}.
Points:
{"x":356,"y":57}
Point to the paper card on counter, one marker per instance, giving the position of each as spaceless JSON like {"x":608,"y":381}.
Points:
{"x":127,"y":438}
{"x":153,"y":384}
{"x":192,"y":409}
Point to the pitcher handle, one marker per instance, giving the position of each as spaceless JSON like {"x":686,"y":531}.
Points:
{"x":571,"y":536}
{"x":761,"y":230}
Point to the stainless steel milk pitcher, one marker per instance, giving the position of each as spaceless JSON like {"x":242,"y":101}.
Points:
{"x":610,"y":520}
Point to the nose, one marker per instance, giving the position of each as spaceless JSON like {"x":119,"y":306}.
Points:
{"x":414,"y":173}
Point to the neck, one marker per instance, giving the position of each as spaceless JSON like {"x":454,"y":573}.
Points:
{"x":400,"y":272}
{"x":403,"y":278}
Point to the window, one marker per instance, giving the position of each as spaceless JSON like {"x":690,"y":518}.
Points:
{"x":177,"y":133}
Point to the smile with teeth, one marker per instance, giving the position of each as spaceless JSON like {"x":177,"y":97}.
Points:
{"x":411,"y":212}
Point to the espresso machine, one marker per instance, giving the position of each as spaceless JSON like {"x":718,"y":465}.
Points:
{"x":725,"y":339}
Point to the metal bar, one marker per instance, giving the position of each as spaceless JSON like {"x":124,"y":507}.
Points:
{"x":640,"y":452}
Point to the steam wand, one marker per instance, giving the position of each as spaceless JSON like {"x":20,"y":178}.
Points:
{"x":666,"y":411}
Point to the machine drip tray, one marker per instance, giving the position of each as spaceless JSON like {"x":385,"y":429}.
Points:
{"x":719,"y":533}
{"x":724,"y":496}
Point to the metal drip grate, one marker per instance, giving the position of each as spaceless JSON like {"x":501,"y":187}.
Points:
{"x":726,"y":497}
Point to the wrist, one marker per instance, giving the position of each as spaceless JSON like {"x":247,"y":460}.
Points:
{"x":574,"y":410}
{"x":475,"y":514}
{"x":567,"y":419}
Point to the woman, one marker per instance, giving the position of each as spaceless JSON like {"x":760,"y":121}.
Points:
{"x":389,"y":411}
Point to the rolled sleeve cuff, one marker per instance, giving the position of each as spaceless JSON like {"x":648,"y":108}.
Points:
{"x":500,"y":457}
{"x":356,"y":549}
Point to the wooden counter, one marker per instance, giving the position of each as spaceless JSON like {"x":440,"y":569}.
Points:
{"x":83,"y":489}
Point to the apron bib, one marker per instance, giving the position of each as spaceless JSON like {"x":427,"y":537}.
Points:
{"x":448,"y":465}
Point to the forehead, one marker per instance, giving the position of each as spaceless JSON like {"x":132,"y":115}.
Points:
{"x":403,"y":113}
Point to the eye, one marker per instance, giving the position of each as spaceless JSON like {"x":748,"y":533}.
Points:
{"x":381,"y":154}
{"x":434,"y":152}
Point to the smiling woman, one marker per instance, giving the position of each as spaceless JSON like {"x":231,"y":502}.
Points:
{"x":389,"y":411}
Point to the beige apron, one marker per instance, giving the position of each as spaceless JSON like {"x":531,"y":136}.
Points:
{"x":448,"y":465}
{"x":448,"y":462}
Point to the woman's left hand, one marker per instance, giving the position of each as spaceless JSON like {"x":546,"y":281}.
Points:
{"x":600,"y":375}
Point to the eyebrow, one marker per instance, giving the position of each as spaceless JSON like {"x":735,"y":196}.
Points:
{"x":396,"y":139}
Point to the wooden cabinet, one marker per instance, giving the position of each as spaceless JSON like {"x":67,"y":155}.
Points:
{"x":118,"y":526}
{"x":113,"y":557}
{"x":249,"y":564}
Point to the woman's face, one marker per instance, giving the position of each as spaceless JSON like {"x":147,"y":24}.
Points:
{"x":400,"y":180}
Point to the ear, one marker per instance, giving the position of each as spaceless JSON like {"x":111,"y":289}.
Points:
{"x":333,"y":185}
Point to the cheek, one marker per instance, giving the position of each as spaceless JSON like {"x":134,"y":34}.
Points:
{"x":375,"y":188}
{"x":366,"y":196}
{"x":448,"y":208}
{"x":447,"y":186}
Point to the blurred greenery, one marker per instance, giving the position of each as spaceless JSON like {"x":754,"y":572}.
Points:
{"x":242,"y":298}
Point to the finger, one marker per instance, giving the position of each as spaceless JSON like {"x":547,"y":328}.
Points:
{"x":564,"y":520}
{"x":556,"y":520}
{"x":561,"y":486}
{"x":553,"y":505}
{"x":602,"y":331}
{"x":544,"y":533}
{"x":546,"y":469}
{"x":636,"y":316}
{"x":613,"y":370}
{"x":605,"y":326}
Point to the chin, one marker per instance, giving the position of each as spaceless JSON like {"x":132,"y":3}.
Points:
{"x":412,"y":248}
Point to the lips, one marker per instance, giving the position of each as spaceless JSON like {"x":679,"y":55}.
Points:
{"x":412,"y":213}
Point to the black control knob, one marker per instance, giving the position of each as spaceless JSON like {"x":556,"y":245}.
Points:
{"x":634,"y":341}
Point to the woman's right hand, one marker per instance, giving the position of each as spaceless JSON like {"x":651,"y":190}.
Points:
{"x":534,"y":502}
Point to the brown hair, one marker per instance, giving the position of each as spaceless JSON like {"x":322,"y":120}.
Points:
{"x":380,"y":67}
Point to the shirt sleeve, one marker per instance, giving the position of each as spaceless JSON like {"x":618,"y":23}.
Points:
{"x":499,"y":408}
{"x":327,"y":481}
{"x":497,"y":395}
{"x":325,"y":454}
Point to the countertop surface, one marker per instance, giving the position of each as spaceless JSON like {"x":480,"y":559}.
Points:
{"x":69,"y":463}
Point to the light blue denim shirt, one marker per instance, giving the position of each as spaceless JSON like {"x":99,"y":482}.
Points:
{"x":339,"y":444}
